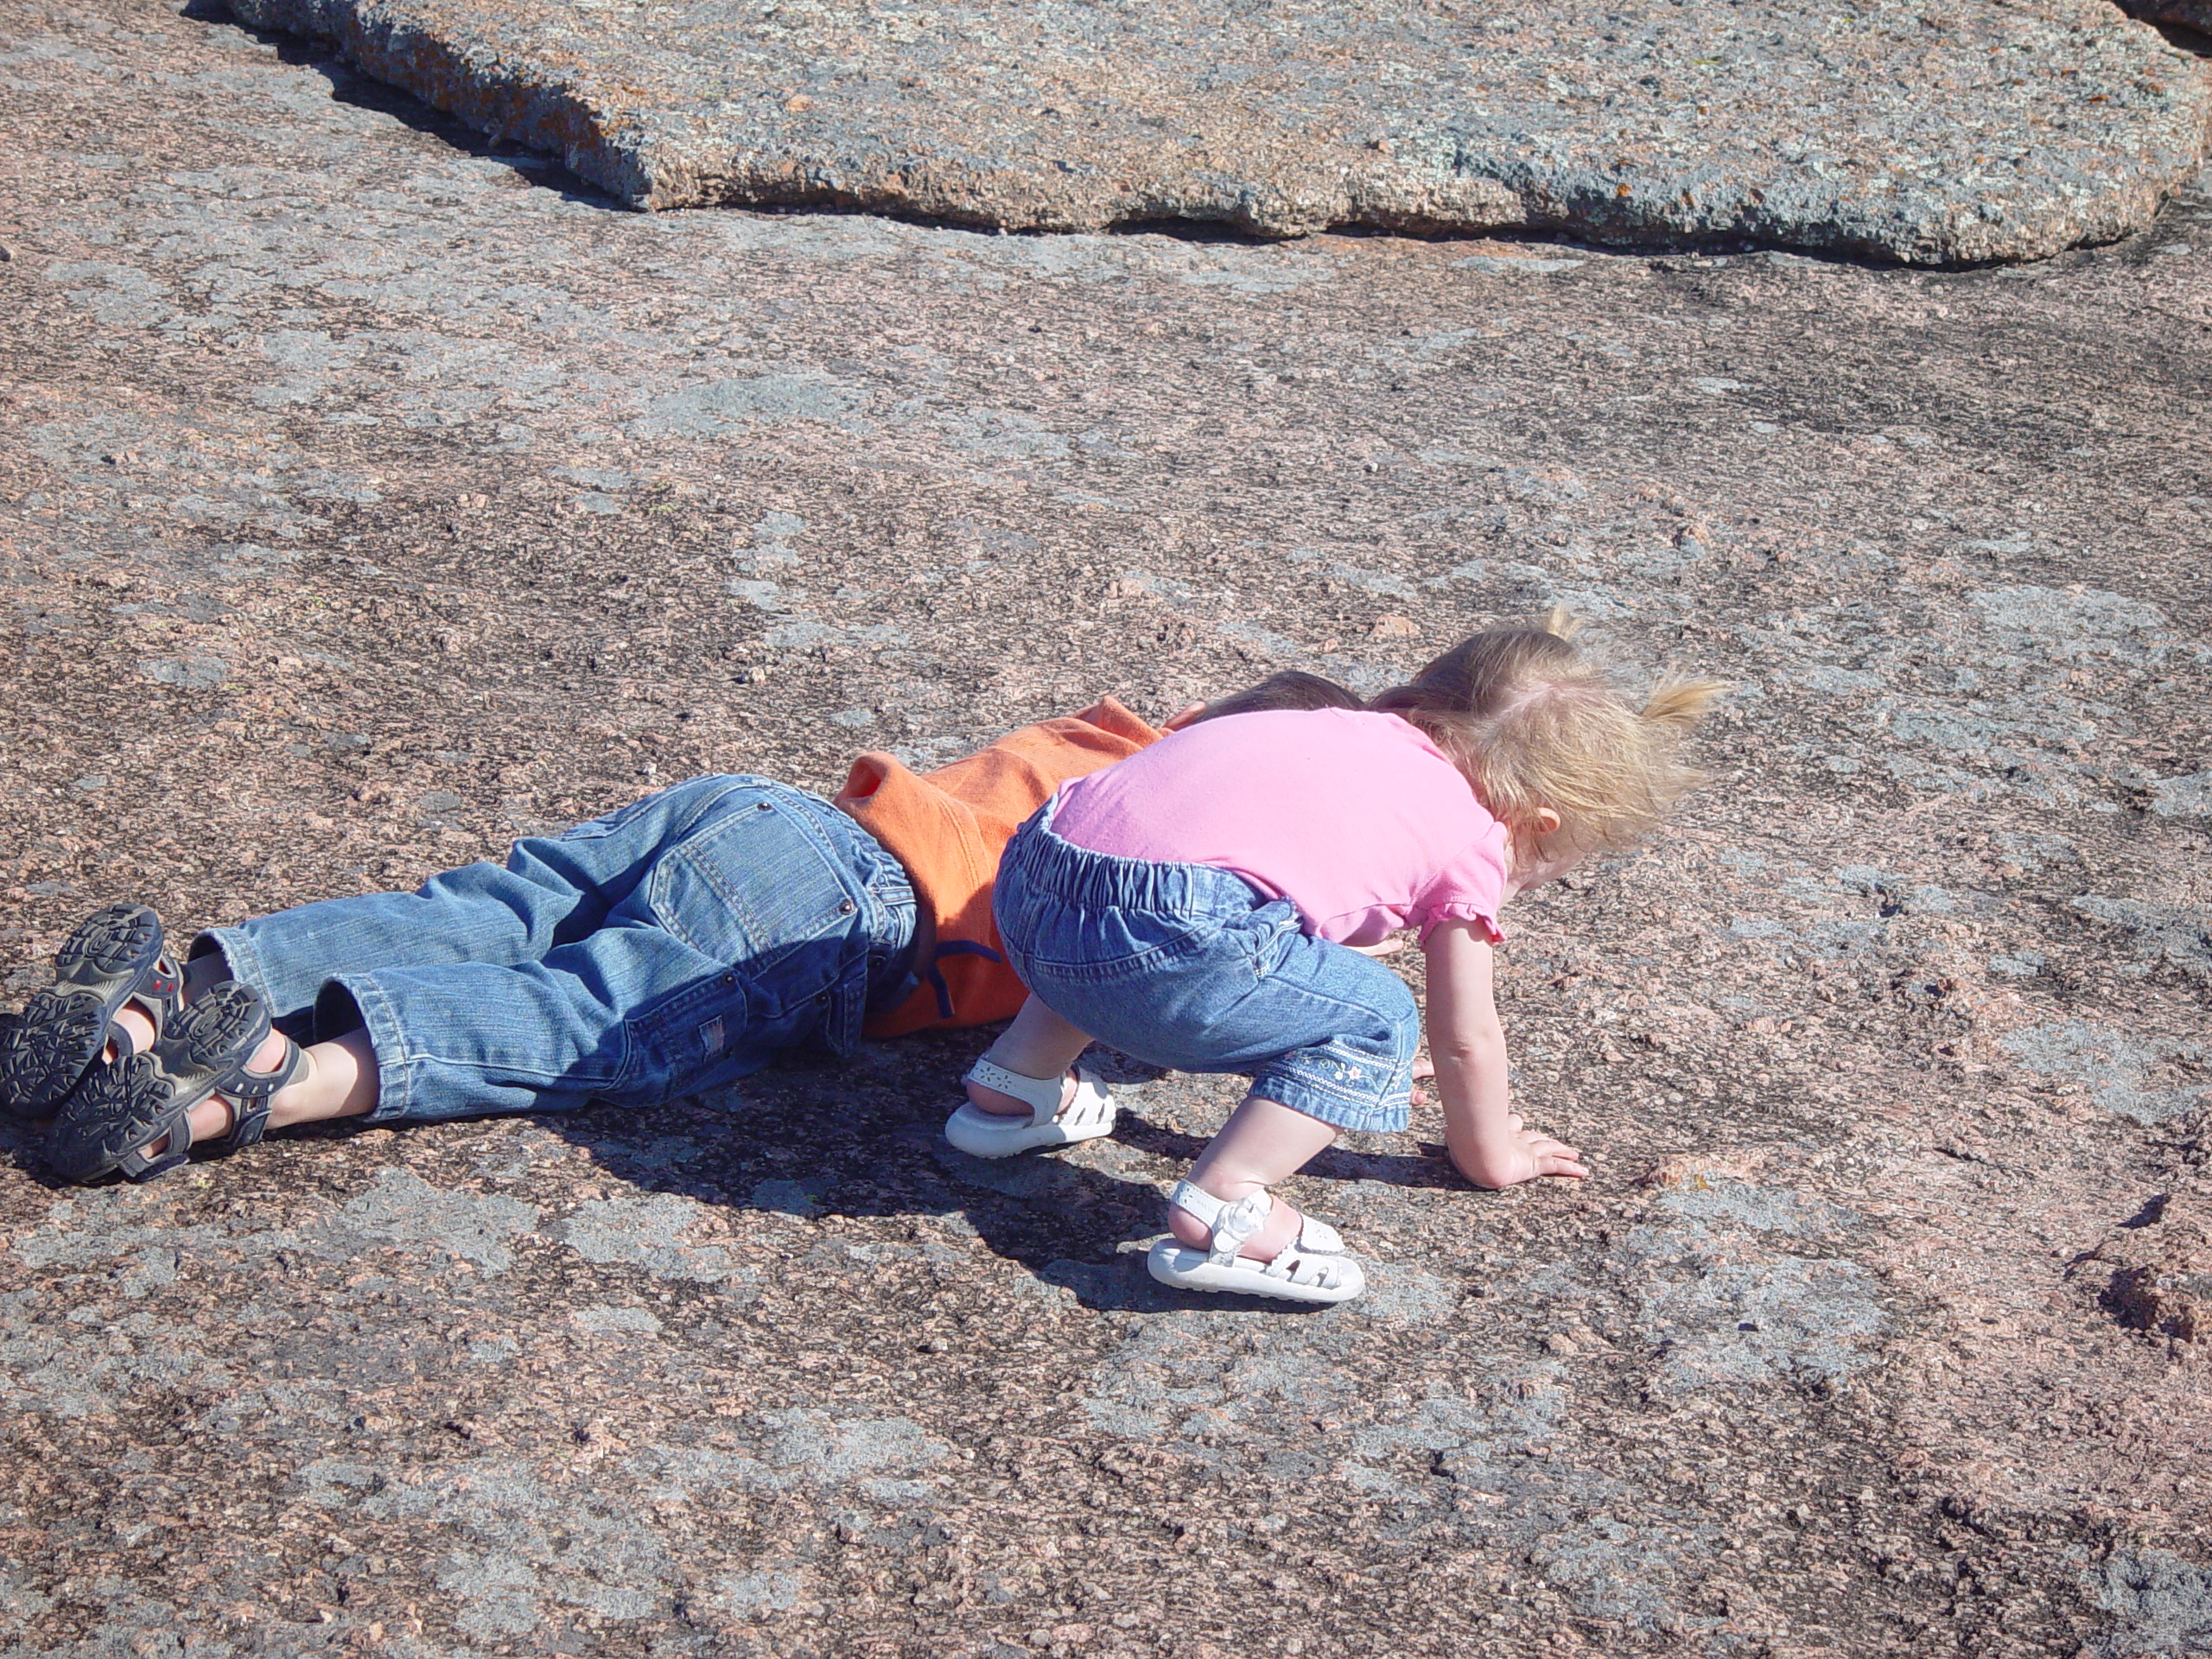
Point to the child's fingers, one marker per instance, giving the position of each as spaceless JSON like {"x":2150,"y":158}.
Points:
{"x":1554,"y":1157}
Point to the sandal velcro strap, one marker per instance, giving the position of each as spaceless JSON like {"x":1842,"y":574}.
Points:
{"x":1313,"y":1269}
{"x":251,"y":1094}
{"x":1233,"y":1223}
{"x":1040,"y":1095}
{"x":135,"y":1116}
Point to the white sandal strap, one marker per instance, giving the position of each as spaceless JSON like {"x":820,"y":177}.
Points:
{"x":1232,"y":1224}
{"x":1325,"y":1270}
{"x":1040,"y":1095}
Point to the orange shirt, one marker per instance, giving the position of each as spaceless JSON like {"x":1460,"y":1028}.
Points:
{"x":949,"y":827}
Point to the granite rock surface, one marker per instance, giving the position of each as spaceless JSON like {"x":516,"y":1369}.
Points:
{"x":370,"y":495}
{"x":1928,"y":132}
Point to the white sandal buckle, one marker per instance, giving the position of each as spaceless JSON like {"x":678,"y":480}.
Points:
{"x":1314,"y":1268}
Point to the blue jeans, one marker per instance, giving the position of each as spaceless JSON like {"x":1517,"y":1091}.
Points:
{"x":1191,"y":967}
{"x":665,"y":949}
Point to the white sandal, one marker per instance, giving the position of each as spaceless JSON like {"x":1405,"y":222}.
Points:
{"x":1000,"y":1135}
{"x":1314,"y":1268}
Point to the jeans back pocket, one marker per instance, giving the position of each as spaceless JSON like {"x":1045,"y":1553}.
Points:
{"x":760,"y":888}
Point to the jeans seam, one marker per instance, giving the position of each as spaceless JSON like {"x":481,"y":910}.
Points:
{"x":1367,"y":1009}
{"x":398,"y":1063}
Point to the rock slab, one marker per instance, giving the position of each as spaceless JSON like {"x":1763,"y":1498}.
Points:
{"x":367,"y":500}
{"x":1917,"y":130}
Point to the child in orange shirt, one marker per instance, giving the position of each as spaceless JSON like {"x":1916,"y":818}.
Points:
{"x":671,"y":947}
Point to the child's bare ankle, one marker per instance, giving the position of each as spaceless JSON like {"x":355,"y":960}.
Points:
{"x":133,"y":1028}
{"x":991,"y":1101}
{"x":1189,"y":1229}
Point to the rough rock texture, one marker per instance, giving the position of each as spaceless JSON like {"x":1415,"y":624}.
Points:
{"x":1923,"y":130}
{"x":366,"y":498}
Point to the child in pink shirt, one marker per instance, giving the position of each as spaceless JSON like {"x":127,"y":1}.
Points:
{"x":1210,"y":904}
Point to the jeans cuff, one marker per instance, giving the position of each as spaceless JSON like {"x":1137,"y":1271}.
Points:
{"x":1359,"y":1110}
{"x":236,"y":948}
{"x":386,"y":1040}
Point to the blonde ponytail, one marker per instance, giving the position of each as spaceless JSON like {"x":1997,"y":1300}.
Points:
{"x":1678,"y":703}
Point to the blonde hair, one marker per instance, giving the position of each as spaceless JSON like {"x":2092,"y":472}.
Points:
{"x":1533,"y":723}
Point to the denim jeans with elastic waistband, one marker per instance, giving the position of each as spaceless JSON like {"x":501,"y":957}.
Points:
{"x":668,"y":947}
{"x":1191,"y":967}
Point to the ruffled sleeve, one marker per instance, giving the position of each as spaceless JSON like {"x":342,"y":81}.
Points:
{"x":1431,"y":920}
{"x":1471,"y":888}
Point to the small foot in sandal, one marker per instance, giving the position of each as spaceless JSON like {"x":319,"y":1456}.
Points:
{"x":1062,"y":1111}
{"x":114,"y":958}
{"x":135,"y":1114}
{"x":1313,"y":1268}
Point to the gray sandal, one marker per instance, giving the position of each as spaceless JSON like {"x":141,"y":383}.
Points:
{"x":114,"y":957}
{"x":123,"y":1111}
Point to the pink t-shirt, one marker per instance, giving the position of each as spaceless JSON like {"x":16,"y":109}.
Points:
{"x":1355,"y":818}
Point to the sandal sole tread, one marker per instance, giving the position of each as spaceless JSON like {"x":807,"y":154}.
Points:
{"x":122,"y":1108}
{"x":49,"y":1051}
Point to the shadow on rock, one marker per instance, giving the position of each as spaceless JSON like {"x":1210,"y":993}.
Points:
{"x":814,"y":1139}
{"x":350,"y":86}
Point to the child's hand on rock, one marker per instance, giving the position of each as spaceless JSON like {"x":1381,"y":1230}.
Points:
{"x":1525,"y":1154}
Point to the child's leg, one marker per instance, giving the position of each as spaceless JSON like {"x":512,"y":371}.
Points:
{"x":1192,"y":967}
{"x":550,"y":891}
{"x":1327,"y":1034}
{"x":1022,"y":1095}
{"x":1264,"y":1142}
{"x":340,"y":1080}
{"x":1038,"y":1043}
{"x":766,"y":924}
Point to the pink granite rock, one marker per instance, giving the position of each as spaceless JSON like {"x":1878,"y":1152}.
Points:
{"x":1920,"y":131}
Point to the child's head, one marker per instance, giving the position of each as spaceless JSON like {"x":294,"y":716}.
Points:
{"x":1292,"y":689}
{"x":1551,"y":746}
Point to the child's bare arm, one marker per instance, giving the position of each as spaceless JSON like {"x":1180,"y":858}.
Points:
{"x":1486,"y":1138}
